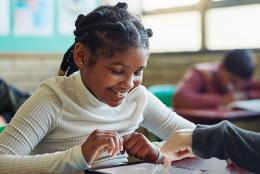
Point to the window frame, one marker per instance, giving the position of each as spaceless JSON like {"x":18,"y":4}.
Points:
{"x":202,"y":7}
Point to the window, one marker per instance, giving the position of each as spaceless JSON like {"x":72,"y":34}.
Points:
{"x":176,"y":25}
{"x":193,"y":25}
{"x":174,"y":32}
{"x":233,"y":27}
{"x":151,"y":5}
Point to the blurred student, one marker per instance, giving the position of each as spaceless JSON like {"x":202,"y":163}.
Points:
{"x":11,"y":99}
{"x":77,"y":122}
{"x":223,"y":140}
{"x":210,"y":85}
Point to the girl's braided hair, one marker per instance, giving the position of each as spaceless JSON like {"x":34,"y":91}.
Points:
{"x":106,"y":30}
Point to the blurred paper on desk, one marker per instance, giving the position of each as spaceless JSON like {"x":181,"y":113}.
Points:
{"x":250,"y":105}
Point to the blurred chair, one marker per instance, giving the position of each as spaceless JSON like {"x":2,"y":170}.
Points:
{"x":164,"y":92}
{"x":2,"y":127}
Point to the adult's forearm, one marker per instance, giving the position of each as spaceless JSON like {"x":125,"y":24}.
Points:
{"x":226,"y":141}
{"x":253,"y":94}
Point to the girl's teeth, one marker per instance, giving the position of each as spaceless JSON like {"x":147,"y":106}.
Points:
{"x":122,"y":94}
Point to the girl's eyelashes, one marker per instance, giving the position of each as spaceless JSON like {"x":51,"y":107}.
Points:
{"x":121,"y":71}
{"x":117,"y":71}
{"x":138,"y":73}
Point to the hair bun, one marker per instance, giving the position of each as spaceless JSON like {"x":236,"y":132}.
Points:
{"x":149,"y":32}
{"x":97,"y":13}
{"x":122,"y":5}
{"x":79,"y":20}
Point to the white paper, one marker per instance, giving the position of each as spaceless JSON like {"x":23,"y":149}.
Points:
{"x":250,"y":105}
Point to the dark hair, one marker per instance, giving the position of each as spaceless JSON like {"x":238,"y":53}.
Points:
{"x":106,"y":30}
{"x":241,"y":63}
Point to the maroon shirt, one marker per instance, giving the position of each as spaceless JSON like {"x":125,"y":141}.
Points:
{"x":200,"y":88}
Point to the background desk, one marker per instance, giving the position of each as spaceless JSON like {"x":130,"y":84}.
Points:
{"x":207,"y":116}
{"x":244,"y":119}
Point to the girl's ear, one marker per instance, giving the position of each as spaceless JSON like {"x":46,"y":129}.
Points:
{"x":81,"y":55}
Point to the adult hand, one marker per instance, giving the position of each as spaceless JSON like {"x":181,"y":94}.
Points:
{"x":178,"y":146}
{"x":138,"y":146}
{"x":98,"y":141}
{"x":234,"y":92}
{"x":240,"y":95}
{"x":230,"y":97}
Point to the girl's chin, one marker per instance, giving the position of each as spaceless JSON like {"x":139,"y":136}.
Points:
{"x":114,"y":103}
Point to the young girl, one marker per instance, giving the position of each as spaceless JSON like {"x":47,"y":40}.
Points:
{"x":88,"y":119}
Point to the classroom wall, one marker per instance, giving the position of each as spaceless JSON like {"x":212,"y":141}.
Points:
{"x":170,"y":68}
{"x":26,"y":71}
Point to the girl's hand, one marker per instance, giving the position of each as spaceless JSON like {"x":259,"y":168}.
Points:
{"x":98,"y":141}
{"x":138,"y":146}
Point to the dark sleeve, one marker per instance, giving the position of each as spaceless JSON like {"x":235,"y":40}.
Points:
{"x":11,"y":99}
{"x":226,"y":141}
{"x":7,"y":116}
{"x":252,"y":89}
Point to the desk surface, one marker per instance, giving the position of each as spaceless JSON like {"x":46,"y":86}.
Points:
{"x":213,"y":164}
{"x":185,"y":166}
{"x":210,"y":116}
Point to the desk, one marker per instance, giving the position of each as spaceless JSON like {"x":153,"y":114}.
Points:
{"x":185,"y":166}
{"x":207,"y":116}
{"x":213,"y":164}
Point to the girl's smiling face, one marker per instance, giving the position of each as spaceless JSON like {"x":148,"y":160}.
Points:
{"x":110,"y":79}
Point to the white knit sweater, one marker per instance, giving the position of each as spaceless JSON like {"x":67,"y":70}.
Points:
{"x":47,"y":132}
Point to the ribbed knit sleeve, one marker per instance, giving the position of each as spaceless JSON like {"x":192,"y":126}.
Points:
{"x":69,"y":161}
{"x":161,"y":120}
{"x":32,"y":122}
